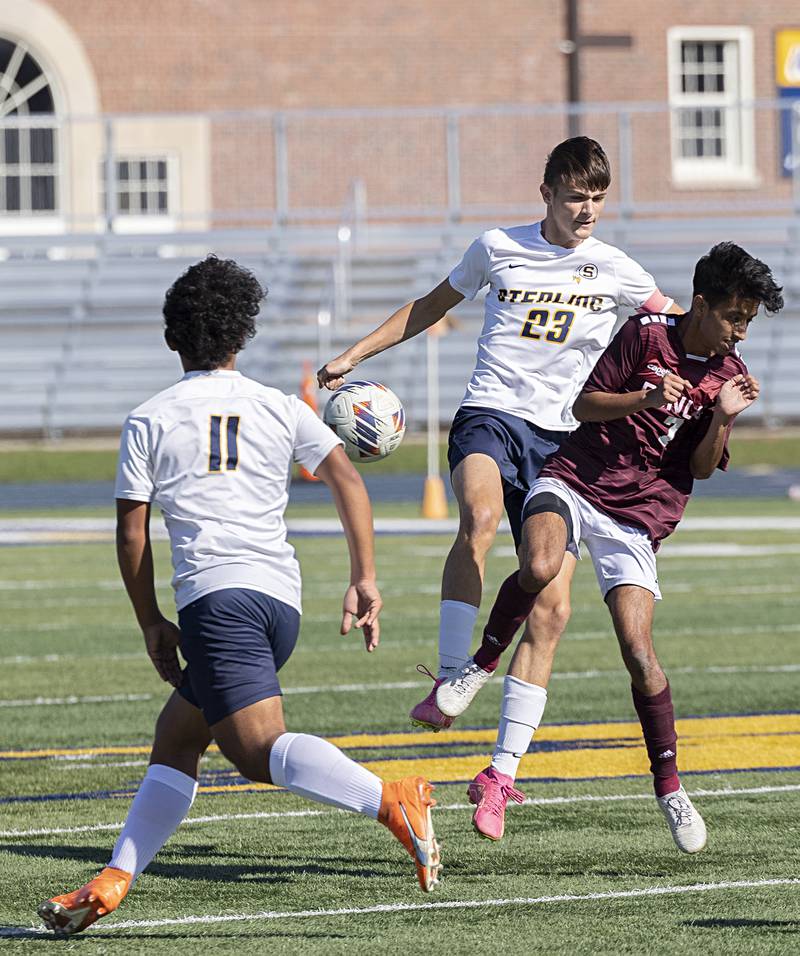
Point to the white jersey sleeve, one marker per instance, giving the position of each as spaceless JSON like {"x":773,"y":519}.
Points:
{"x":134,"y":468}
{"x":637,"y":288}
{"x":472,"y":273}
{"x":313,"y":439}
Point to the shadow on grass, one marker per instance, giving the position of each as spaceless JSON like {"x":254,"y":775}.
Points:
{"x":270,"y":870}
{"x":791,"y":925}
{"x":94,"y":936}
{"x":20,"y":932}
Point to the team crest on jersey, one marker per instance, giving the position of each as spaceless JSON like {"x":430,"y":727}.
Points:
{"x":587,"y":271}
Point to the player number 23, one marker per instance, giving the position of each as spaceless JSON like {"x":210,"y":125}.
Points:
{"x":552,"y":325}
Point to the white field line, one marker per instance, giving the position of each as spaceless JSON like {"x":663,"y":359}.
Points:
{"x":342,"y":646}
{"x":638,"y":893}
{"x":688,"y":587}
{"x":59,"y":658}
{"x":442,"y":808}
{"x":69,"y":701}
{"x":709,"y":549}
{"x":55,"y":626}
{"x":402,"y":525}
{"x":426,"y":587}
{"x":726,"y":550}
{"x":405,"y":685}
{"x":70,"y":763}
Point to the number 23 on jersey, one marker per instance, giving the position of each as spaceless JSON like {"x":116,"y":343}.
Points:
{"x":551,"y":325}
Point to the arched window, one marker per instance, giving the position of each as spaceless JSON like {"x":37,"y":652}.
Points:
{"x":28,"y":135}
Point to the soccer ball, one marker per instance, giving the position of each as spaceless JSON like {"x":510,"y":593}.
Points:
{"x":368,"y":417}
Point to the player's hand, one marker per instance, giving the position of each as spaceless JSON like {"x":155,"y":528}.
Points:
{"x":669,"y":390}
{"x":331,"y":375}
{"x":161,"y":640}
{"x":363,"y":602}
{"x":737,"y":394}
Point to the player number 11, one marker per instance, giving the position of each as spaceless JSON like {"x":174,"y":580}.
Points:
{"x":231,"y":433}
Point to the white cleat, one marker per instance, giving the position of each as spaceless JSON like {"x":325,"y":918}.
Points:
{"x":455,"y":694}
{"x":687,"y":826}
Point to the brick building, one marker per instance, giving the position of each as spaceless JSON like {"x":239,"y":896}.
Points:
{"x":253,"y":110}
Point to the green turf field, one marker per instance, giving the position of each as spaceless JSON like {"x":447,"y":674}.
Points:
{"x":586,"y":866}
{"x":72,"y":461}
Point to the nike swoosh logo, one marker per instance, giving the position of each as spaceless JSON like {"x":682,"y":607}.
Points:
{"x":517,"y":265}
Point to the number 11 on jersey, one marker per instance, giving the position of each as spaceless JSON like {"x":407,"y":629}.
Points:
{"x":231,"y":443}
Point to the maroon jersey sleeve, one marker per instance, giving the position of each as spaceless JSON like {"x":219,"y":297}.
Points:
{"x":619,"y":361}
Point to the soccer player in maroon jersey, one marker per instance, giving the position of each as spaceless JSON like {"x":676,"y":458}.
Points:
{"x":657,"y":411}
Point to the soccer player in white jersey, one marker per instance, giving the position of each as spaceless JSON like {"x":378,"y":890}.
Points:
{"x":551,"y":309}
{"x":214,"y":452}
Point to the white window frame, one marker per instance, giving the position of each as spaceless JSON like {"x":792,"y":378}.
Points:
{"x":125,"y":223}
{"x":26,"y":219}
{"x":738,"y":166}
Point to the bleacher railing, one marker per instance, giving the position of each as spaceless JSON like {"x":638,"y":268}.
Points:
{"x":267,"y":169}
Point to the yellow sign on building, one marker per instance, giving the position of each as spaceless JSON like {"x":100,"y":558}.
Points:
{"x":787,"y":58}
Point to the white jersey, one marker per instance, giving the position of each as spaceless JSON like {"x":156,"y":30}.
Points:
{"x":214,"y":452}
{"x":550,"y":313}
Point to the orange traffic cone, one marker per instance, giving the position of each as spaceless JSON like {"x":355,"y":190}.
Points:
{"x":308,"y":393}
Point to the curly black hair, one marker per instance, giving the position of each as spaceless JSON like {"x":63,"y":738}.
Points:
{"x":210,"y":311}
{"x":727,"y":271}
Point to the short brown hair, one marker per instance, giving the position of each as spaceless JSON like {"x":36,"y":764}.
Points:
{"x":580,"y":162}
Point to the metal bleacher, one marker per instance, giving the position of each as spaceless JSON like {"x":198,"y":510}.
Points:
{"x":81,"y":335}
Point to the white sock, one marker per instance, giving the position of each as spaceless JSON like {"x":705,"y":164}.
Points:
{"x":456,"y":622}
{"x":163,"y":800}
{"x":520,"y":715}
{"x":313,"y":768}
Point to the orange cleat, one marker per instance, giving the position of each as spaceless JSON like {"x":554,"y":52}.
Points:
{"x":74,"y":911}
{"x":406,"y":811}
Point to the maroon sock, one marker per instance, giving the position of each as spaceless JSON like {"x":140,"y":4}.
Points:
{"x":511,"y":606}
{"x":658,"y":727}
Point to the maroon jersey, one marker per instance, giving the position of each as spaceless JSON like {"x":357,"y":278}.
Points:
{"x":637,"y":469}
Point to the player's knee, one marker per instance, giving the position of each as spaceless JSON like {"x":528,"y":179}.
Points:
{"x":550,"y":616}
{"x":176,"y":746}
{"x":251,"y":758}
{"x":479,"y":526}
{"x":252,"y":763}
{"x":640,"y":659}
{"x":536,"y":571}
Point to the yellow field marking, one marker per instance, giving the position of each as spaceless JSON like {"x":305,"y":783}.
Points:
{"x":708,"y":755}
{"x":689,"y":730}
{"x":693,"y":727}
{"x":700,"y":752}
{"x":72,"y":752}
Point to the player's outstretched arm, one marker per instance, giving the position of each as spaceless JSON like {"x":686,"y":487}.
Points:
{"x":135,"y":558}
{"x":362,"y":599}
{"x":598,"y":406}
{"x":405,"y":323}
{"x":737,"y":394}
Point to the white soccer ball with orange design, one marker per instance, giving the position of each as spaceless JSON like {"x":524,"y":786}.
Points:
{"x":368,"y":417}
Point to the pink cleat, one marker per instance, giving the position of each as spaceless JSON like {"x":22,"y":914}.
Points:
{"x":490,"y":791}
{"x":426,"y":713}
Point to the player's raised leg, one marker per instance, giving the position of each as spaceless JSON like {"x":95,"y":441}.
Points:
{"x":631,"y":609}
{"x":478,"y":488}
{"x":161,"y":803}
{"x":524,"y":700}
{"x":541,"y":554}
{"x":255,"y":740}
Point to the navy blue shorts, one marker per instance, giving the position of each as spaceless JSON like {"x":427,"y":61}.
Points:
{"x":519,"y":447}
{"x":234,"y":642}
